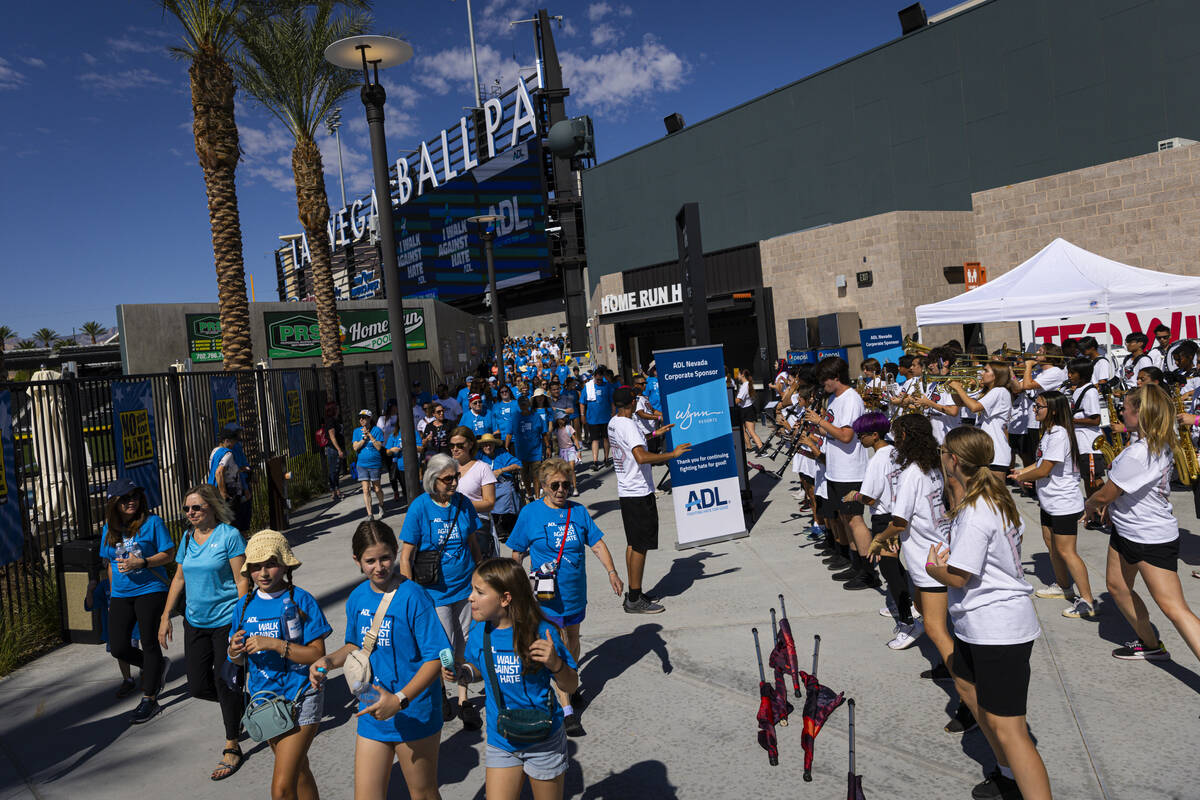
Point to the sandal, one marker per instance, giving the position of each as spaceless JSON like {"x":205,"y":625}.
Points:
{"x":231,"y":768}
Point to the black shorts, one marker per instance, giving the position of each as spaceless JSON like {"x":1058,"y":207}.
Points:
{"x":1092,"y":466}
{"x":999,"y":673}
{"x":879,"y":523}
{"x":837,"y":490}
{"x":598,"y":432}
{"x":639,"y":515}
{"x":747,"y":414}
{"x":1025,"y":444}
{"x":1164,"y":555}
{"x":1062,"y":525}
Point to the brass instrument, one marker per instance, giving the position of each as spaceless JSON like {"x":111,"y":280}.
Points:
{"x":911,"y":407}
{"x":1186,"y":465}
{"x":914,"y":348}
{"x":1109,"y":451}
{"x":1009,"y":353}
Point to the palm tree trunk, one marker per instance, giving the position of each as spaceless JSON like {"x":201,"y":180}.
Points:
{"x":313,"y":206}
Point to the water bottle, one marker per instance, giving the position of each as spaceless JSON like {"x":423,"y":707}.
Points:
{"x":134,"y":550}
{"x":122,"y":551}
{"x":291,"y":627}
{"x":366,"y":693}
{"x":447,"y":658}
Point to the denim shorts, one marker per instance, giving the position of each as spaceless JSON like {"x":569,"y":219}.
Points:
{"x":369,"y":474}
{"x":542,"y":761}
{"x":311,"y":707}
{"x":562,"y":622}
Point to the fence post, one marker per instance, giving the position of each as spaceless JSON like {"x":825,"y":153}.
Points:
{"x":80,"y":480}
{"x":182,"y":457}
{"x":260,"y":376}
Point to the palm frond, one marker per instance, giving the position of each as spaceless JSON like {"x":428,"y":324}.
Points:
{"x":209,"y":26}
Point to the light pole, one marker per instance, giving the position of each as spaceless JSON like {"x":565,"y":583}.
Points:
{"x":367,"y":53}
{"x":334,"y":123}
{"x":487,"y":232}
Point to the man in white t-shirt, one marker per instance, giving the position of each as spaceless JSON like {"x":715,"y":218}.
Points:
{"x":1162,"y":343}
{"x":1048,"y":378}
{"x":845,"y":465}
{"x":1135,"y":361}
{"x":635,"y":492}
{"x":1102,"y":370}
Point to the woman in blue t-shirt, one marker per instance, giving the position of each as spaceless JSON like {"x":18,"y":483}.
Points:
{"x":530,"y":438}
{"x":539,"y":534}
{"x":526,"y":653}
{"x":136,"y":548}
{"x":369,"y":442}
{"x":211,"y":555}
{"x":405,"y":723}
{"x":444,"y":521}
{"x":279,"y":631}
{"x":507,"y":470}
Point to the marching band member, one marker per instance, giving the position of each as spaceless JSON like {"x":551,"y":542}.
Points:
{"x":994,"y":409}
{"x":943,"y":415}
{"x":1158,"y":353}
{"x":1102,"y":371}
{"x":1136,"y":360}
{"x":1085,"y":413}
{"x":1049,"y":377}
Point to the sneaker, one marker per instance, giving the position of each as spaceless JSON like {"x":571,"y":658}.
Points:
{"x":1079,"y":609}
{"x":963,"y":722}
{"x":890,"y":609}
{"x":128,"y":686}
{"x":906,"y":634}
{"x":1138,"y":651}
{"x":579,"y":701}
{"x":145,"y":711}
{"x":642,"y":605}
{"x":996,"y":787}
{"x":846,"y":574}
{"x":1051,"y":592}
{"x":863,"y":580}
{"x":938,"y":674}
{"x":572,"y":725}
{"x":469,"y":715}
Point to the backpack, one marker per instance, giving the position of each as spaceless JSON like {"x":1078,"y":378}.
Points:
{"x":322,"y":438}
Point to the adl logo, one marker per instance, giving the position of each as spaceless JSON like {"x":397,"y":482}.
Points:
{"x":704,"y":500}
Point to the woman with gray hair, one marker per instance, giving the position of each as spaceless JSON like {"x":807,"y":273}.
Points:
{"x":439,"y":551}
{"x":211,"y":555}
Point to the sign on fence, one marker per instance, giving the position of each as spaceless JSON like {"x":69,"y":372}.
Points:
{"x":11,"y":535}
{"x":293,"y":414}
{"x":134,"y":438}
{"x":704,"y":481}
{"x":224,"y":401}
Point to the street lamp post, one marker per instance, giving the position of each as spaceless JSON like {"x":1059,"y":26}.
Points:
{"x":370,"y":53}
{"x":334,"y":123}
{"x":487,"y":232}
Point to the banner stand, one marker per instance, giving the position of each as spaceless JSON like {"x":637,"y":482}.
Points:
{"x":702,"y":542}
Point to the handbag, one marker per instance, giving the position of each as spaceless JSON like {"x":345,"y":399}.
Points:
{"x":545,"y":584}
{"x":357,"y":669}
{"x":520,"y":725}
{"x":427,"y":564}
{"x":269,"y":714}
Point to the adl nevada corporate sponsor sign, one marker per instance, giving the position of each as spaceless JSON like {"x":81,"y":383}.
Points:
{"x":882,"y":344}
{"x":704,"y":480}
{"x":295,"y":334}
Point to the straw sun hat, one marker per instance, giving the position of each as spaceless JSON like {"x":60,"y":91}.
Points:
{"x":267,"y":544}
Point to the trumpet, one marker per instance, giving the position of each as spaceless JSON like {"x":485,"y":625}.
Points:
{"x":1017,"y":355}
{"x":914,"y":348}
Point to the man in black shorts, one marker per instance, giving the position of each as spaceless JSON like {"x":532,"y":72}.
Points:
{"x":635,"y":490}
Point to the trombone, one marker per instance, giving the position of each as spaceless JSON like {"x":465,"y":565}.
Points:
{"x":1016,"y":355}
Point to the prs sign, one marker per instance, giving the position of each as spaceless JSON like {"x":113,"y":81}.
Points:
{"x":646,"y":298}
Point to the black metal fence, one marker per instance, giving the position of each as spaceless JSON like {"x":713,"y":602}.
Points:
{"x":70,"y":434}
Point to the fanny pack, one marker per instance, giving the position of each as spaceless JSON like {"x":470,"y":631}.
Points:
{"x":520,"y":725}
{"x":357,"y":669}
{"x":427,"y":564}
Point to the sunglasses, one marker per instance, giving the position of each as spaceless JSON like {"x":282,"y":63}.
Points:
{"x":448,"y":480}
{"x":197,"y":509}
{"x":558,"y":486}
{"x":458,"y":445}
{"x":126,"y":499}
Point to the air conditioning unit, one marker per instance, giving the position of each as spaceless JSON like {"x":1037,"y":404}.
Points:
{"x":1175,"y":141}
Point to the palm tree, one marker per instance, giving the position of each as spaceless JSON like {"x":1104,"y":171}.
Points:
{"x":26,"y":344}
{"x":93,"y":329}
{"x":208,"y":38}
{"x":6,"y":333}
{"x":46,"y":337}
{"x":282,"y":65}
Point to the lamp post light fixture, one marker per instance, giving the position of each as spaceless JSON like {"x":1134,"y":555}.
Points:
{"x":334,"y":123}
{"x":369,"y":53}
{"x":487,"y":232}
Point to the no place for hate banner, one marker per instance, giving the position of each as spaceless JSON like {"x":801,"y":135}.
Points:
{"x":704,"y":481}
{"x":135,"y":438}
{"x":11,"y":535}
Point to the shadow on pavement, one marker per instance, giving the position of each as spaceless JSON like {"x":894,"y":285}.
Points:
{"x":645,"y":780}
{"x":684,"y":572}
{"x":611,"y":658}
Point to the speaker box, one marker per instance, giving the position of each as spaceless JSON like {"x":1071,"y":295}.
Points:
{"x":912,"y":18}
{"x":802,"y":333}
{"x":837,"y":330}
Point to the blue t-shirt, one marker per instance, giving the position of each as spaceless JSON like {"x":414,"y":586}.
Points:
{"x":427,"y":525}
{"x":651,"y":393}
{"x":563,"y":372}
{"x":478,"y":423}
{"x":527,"y":435}
{"x":462,"y":396}
{"x":539,"y":532}
{"x":423,"y":397}
{"x":152,"y":537}
{"x":599,"y":411}
{"x":520,"y":689}
{"x":506,"y":484}
{"x":211,"y":589}
{"x":266,"y":670}
{"x":545,"y":414}
{"x":369,"y":456}
{"x":409,"y":636}
{"x":504,"y":415}
{"x":394,"y":441}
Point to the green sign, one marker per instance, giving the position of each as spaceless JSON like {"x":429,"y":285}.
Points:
{"x":204,"y":337}
{"x":297,"y":334}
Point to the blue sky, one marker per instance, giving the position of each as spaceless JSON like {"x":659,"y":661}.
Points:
{"x":102,"y":199}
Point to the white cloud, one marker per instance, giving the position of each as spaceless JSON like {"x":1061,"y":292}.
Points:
{"x":607,"y":82}
{"x":89,"y":59}
{"x":125,"y":44}
{"x":9,"y":77}
{"x":497,"y":16}
{"x":598,"y":11}
{"x":117,"y":82}
{"x":602,"y":34}
{"x":34,"y":62}
{"x":450,"y":70}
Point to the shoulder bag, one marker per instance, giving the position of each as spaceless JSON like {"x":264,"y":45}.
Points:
{"x":543,"y":583}
{"x":357,"y":669}
{"x":427,"y":564}
{"x":520,"y":725}
{"x":268,"y":714}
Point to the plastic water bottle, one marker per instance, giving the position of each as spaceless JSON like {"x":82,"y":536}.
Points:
{"x":291,"y":627}
{"x":134,"y":550}
{"x":366,"y":693}
{"x":122,"y":551}
{"x":447,"y":657}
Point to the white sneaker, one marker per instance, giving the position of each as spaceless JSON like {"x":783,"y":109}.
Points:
{"x":1051,"y":592}
{"x":887,"y":611}
{"x":906,"y":635}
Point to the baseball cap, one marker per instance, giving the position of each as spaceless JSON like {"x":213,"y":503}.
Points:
{"x":121,"y":487}
{"x":366,"y":412}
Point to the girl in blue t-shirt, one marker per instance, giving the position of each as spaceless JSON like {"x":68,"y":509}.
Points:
{"x":136,"y":548}
{"x":277,"y":647}
{"x":527,"y":654}
{"x":405,"y":723}
{"x":369,"y":443}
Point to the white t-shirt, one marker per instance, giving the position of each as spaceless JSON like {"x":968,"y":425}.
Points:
{"x":1048,"y":379}
{"x":942,"y":423}
{"x":633,"y":479}
{"x":846,"y":462}
{"x":993,"y":420}
{"x":994,"y":607}
{"x":919,"y":503}
{"x":879,"y":482}
{"x":1058,"y":493}
{"x":471,"y":483}
{"x":1132,"y":366}
{"x":1086,"y":402}
{"x":1101,"y":369}
{"x":820,"y":479}
{"x":452,"y":408}
{"x":387,"y":425}
{"x":743,"y":395}
{"x":1156,"y":357}
{"x":1143,"y":513}
{"x":643,"y":405}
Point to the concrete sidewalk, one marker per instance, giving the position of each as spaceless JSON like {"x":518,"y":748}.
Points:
{"x":673,"y":695}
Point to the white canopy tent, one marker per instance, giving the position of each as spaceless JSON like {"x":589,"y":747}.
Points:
{"x":1063,"y":280}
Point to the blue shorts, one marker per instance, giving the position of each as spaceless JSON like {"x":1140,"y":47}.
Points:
{"x":311,"y":707}
{"x":562,"y":622}
{"x":370,"y":474}
{"x":542,"y":761}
